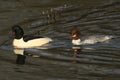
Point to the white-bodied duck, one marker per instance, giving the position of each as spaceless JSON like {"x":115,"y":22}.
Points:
{"x":28,"y":41}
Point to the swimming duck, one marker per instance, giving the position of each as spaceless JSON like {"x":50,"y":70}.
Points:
{"x":25,"y":41}
{"x":77,"y":40}
{"x":75,"y":36}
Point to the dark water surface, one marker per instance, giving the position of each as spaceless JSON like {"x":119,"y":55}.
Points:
{"x":60,"y":60}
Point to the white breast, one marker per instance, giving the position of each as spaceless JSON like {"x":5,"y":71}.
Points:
{"x":76,"y":42}
{"x":19,"y":43}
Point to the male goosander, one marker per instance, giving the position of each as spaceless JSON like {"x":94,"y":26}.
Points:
{"x":77,"y":40}
{"x":21,"y":41}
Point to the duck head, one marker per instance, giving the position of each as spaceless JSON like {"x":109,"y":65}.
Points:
{"x":17,"y":32}
{"x":75,"y":34}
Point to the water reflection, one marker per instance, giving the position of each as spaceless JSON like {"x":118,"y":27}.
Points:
{"x":76,"y":52}
{"x":20,"y":59}
{"x":23,"y":53}
{"x":20,"y":55}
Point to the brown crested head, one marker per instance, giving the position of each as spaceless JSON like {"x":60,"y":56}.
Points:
{"x":75,"y":34}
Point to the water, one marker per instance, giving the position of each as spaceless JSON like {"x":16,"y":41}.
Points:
{"x":60,"y":60}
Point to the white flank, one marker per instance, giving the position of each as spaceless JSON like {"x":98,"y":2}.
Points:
{"x":95,"y":39}
{"x":19,"y":43}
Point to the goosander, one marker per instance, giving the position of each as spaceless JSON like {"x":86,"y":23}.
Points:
{"x":22,"y":41}
{"x":75,"y":35}
{"x":77,"y":40}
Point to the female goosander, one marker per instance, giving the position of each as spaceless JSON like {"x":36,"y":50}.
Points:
{"x":21,"y":41}
{"x":77,"y":40}
{"x":75,"y":36}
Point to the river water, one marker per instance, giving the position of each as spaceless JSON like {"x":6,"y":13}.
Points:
{"x":60,"y":60}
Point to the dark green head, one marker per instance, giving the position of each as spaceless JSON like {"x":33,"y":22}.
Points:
{"x":17,"y":32}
